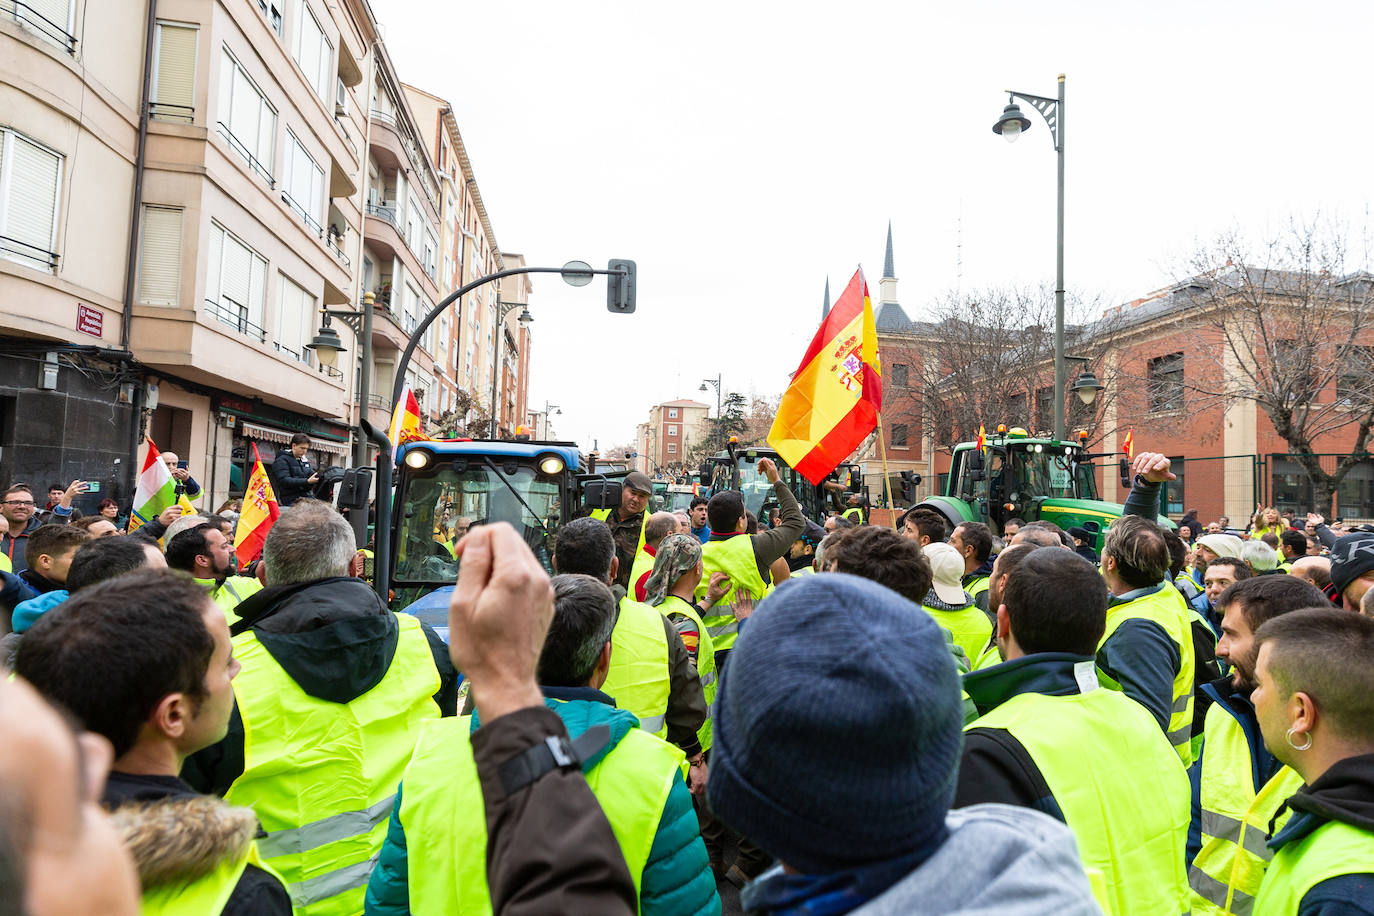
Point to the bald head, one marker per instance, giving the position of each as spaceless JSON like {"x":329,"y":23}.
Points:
{"x":658,"y":527}
{"x":1316,"y":570}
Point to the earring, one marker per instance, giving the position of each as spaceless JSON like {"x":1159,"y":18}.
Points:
{"x":1289,"y":736}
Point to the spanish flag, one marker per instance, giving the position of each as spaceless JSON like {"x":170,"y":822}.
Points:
{"x":836,"y":392}
{"x":982,"y":438}
{"x":1129,"y":445}
{"x":405,"y":420}
{"x":260,"y":511}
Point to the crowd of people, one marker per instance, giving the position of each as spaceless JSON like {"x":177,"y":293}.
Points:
{"x":836,"y":718}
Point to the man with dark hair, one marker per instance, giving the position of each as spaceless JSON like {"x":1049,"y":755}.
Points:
{"x":973,"y":540}
{"x":651,"y":672}
{"x":1043,"y":534}
{"x":1002,"y":568}
{"x":17,"y":506}
{"x":323,"y":657}
{"x":1220,"y":574}
{"x":291,"y":473}
{"x":95,"y":561}
{"x":145,"y":660}
{"x":745,"y":558}
{"x":208,"y":556}
{"x":881,"y":555}
{"x":701,"y":528}
{"x":1237,"y":780}
{"x":923,"y":525}
{"x":1011,"y":526}
{"x":58,"y":509}
{"x":437,"y":823}
{"x":832,"y":523}
{"x":97,"y":526}
{"x":50,"y":552}
{"x":1292,"y":547}
{"x":1046,"y":724}
{"x":1148,"y":645}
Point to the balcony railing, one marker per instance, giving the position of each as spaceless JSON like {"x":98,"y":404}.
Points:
{"x":31,"y":19}
{"x":378,"y":401}
{"x":384,"y":212}
{"x":263,"y":171}
{"x":329,"y":239}
{"x":181,"y":114}
{"x":24,"y":253}
{"x":235,"y":316}
{"x":303,"y":213}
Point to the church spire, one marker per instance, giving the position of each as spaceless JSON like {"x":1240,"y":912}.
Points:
{"x":889,"y":272}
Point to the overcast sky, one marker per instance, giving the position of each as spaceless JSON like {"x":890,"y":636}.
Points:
{"x":743,"y":152}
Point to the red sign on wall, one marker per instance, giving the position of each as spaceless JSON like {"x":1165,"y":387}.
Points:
{"x":89,"y":320}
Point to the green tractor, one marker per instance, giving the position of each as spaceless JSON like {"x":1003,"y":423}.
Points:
{"x":1020,"y":476}
{"x":736,"y":468}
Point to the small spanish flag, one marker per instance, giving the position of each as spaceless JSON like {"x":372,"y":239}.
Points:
{"x":833,"y":402}
{"x":1129,"y":445}
{"x":405,"y":420}
{"x":260,"y":512}
{"x":982,"y":438}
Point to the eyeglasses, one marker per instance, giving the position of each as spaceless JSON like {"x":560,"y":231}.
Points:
{"x":19,"y":502}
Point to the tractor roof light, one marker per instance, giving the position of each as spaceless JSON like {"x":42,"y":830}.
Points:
{"x":418,"y":458}
{"x":551,"y":465}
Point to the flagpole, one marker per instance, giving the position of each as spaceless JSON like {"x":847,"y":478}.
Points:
{"x":887,"y":478}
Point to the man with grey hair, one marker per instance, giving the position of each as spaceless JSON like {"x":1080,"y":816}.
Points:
{"x":334,"y":689}
{"x":1263,"y":559}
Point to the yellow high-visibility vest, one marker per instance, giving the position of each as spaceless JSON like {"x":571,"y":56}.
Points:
{"x":322,"y":776}
{"x":1227,"y":872}
{"x":706,"y":659}
{"x":1332,"y":850}
{"x":638,"y":676}
{"x":443,"y":814}
{"x":735,"y":557}
{"x":207,"y":895}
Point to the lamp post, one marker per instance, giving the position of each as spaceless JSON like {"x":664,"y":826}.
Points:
{"x":1011,"y":125}
{"x":502,"y":310}
{"x":716,"y":382}
{"x":328,"y":346}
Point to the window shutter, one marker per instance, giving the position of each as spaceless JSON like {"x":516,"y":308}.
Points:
{"x":58,"y":12}
{"x":176,"y":66}
{"x":213,"y":262}
{"x":31,"y":209}
{"x":237,"y":269}
{"x":257,"y":290}
{"x":159,"y":266}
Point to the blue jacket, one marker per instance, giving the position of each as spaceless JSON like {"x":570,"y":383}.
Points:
{"x":26,"y":613}
{"x":677,"y":878}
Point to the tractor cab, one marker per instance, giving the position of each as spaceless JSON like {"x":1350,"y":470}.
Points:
{"x":736,"y":468}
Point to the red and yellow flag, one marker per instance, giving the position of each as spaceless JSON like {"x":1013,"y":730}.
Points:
{"x":405,"y":420}
{"x":982,"y":438}
{"x":836,"y":392}
{"x":1129,"y":445}
{"x":259,"y":511}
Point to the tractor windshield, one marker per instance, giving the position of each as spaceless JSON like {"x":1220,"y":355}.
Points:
{"x":754,"y":487}
{"x":1049,"y":471}
{"x":437,"y":499}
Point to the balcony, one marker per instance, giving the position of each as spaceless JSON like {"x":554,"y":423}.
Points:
{"x":12,"y":249}
{"x":263,"y":171}
{"x":32,"y":20}
{"x":235,"y":316}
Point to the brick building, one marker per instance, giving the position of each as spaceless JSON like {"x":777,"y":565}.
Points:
{"x":673,"y":427}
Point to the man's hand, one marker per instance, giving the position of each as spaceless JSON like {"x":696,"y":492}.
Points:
{"x":74,"y":489}
{"x":313,"y":478}
{"x":181,"y":474}
{"x":1153,"y":467}
{"x":498,"y":618}
{"x":1314,"y":519}
{"x":169,"y":515}
{"x":769,"y":470}
{"x":718,"y":587}
{"x":697,"y":774}
{"x":744,"y":604}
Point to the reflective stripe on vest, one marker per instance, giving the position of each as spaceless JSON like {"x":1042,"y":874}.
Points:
{"x":733,"y":556}
{"x":1331,"y":850}
{"x":1130,"y":817}
{"x":318,"y":773}
{"x":1167,"y":608}
{"x":1230,"y":864}
{"x":638,"y":676}
{"x":706,"y":660}
{"x":445,"y":820}
{"x":969,"y":626}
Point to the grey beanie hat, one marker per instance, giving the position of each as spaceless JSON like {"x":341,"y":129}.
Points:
{"x":867,"y":774}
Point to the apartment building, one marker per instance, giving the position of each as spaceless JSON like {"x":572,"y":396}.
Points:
{"x":243,"y":201}
{"x":672,"y":429}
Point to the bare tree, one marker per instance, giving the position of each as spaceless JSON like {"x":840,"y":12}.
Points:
{"x":1290,"y":321}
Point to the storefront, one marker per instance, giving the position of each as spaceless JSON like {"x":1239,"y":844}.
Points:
{"x":269,"y":429}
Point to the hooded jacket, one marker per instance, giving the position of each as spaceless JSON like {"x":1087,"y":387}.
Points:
{"x":26,"y":613}
{"x":1345,"y":793}
{"x":998,"y":860}
{"x":677,"y":878}
{"x":177,"y":836}
{"x":336,"y":639}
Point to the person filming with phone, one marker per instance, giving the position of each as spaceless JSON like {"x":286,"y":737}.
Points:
{"x":186,"y":484}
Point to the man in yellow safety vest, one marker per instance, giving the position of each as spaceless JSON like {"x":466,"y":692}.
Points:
{"x":627,"y":522}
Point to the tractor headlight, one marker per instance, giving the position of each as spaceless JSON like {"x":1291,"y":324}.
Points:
{"x":418,"y":458}
{"x":551,"y":465}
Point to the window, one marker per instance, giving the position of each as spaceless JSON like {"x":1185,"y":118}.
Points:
{"x":672,"y":413}
{"x":235,"y":283}
{"x":30,"y":178}
{"x":899,"y":376}
{"x":413,"y":218}
{"x":340,"y":97}
{"x":899,"y":434}
{"x":159,"y":260}
{"x":51,"y":19}
{"x":672,"y":429}
{"x":245,"y":118}
{"x":1165,"y":383}
{"x":409,"y":318}
{"x":1175,"y":487}
{"x":672,"y":448}
{"x":314,"y":53}
{"x":1355,"y":385}
{"x":271,"y":9}
{"x":174,"y":73}
{"x":294,"y":316}
{"x":303,"y":189}
{"x":1044,"y":408}
{"x":1355,"y":495}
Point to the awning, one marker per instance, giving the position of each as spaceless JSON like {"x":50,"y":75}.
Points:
{"x":268,"y":434}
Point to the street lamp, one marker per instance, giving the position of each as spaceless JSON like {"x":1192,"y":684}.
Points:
{"x":327,"y":346}
{"x":1011,"y":125}
{"x":1087,"y":386}
{"x":716,"y":382}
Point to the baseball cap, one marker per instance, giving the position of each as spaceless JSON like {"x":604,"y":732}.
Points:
{"x":947,"y":569}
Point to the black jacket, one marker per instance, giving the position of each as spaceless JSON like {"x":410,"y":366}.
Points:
{"x":290,"y":478}
{"x":336,"y":639}
{"x":196,"y":834}
{"x":1345,"y":793}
